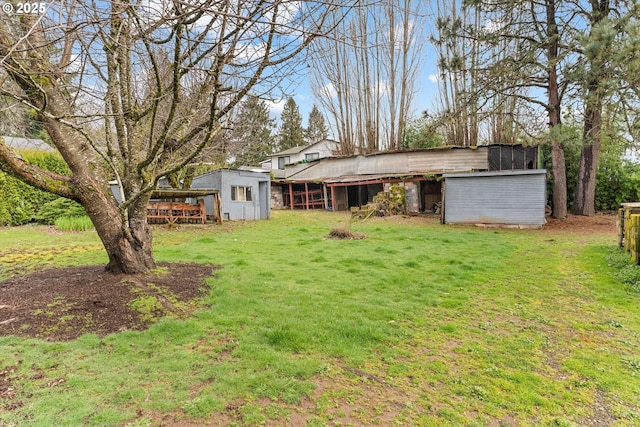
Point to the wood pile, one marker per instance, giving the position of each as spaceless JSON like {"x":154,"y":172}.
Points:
{"x":385,"y":203}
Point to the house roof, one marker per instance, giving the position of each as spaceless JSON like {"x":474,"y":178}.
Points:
{"x":296,"y":150}
{"x":27,"y":143}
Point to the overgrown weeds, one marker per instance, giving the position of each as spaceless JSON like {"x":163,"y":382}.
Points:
{"x":626,"y":271}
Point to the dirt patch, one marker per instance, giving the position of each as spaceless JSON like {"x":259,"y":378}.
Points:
{"x":61,"y":304}
{"x":602,"y":223}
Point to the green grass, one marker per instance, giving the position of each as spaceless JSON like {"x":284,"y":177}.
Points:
{"x":73,"y":223}
{"x":418,"y":324}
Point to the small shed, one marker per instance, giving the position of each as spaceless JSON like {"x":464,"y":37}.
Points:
{"x":516,"y":198}
{"x":245,"y":193}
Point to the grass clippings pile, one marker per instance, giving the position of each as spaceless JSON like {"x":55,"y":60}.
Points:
{"x":344,"y":234}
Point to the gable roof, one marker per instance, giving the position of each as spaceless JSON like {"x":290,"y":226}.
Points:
{"x":27,"y":143}
{"x":297,"y":150}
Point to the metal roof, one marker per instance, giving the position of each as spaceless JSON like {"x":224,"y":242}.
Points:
{"x":364,"y":178}
{"x":173,"y":193}
{"x":495,"y":173}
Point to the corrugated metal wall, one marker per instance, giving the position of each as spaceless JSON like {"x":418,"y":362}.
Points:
{"x":408,"y":162}
{"x":516,"y":198}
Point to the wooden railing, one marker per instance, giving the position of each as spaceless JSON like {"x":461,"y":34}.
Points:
{"x":176,"y":212}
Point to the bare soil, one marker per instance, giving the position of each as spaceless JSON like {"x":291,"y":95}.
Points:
{"x":601,"y":223}
{"x":60,"y":304}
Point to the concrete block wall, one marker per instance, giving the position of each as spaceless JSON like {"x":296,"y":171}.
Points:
{"x":412,"y":195}
{"x":413,"y":198}
{"x":277,"y":199}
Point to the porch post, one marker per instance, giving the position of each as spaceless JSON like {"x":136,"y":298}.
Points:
{"x":333,"y":199}
{"x":326,"y":201}
{"x":306,"y":194}
{"x":291,"y":195}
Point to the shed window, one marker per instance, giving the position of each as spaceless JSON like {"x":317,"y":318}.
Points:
{"x":312,"y":156}
{"x":283,"y":161}
{"x":241,"y":194}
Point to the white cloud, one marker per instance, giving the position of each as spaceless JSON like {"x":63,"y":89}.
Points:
{"x":329,"y":91}
{"x":435,"y":78}
{"x":276,"y":107}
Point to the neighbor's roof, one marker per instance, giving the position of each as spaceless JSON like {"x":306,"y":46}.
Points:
{"x":27,"y":143}
{"x":296,"y":150}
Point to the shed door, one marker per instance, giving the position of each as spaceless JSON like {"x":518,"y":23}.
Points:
{"x":511,"y":199}
{"x":263,"y":200}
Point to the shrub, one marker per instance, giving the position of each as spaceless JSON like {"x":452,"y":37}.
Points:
{"x":59,"y":208}
{"x":19,"y":202}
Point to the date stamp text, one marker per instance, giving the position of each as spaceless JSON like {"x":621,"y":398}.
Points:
{"x":24,"y":8}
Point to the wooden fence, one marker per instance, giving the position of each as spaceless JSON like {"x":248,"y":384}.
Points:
{"x":628,"y":224}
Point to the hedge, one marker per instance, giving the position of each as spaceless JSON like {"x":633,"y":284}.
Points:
{"x":19,"y":202}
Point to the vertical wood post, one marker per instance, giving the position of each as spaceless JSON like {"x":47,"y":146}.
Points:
{"x":333,"y":199}
{"x":326,"y":201}
{"x":291,"y":195}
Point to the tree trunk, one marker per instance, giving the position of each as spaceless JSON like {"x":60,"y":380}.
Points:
{"x":592,"y":130}
{"x":559,"y":181}
{"x":557,"y":149}
{"x":126,"y":237}
{"x":586,"y":185}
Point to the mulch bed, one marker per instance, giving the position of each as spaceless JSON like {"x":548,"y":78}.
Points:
{"x":60,"y":304}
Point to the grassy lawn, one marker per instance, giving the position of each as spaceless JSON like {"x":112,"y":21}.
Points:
{"x":418,"y":324}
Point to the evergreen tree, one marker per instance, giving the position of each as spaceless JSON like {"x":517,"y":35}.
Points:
{"x":291,"y":132}
{"x":251,"y":137}
{"x":316,"y":129}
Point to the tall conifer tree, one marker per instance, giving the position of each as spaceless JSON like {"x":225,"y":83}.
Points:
{"x":316,"y":127}
{"x":291,"y":132}
{"x":252,"y":140}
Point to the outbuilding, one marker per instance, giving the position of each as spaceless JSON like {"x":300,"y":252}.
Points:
{"x":244,"y":192}
{"x":508,"y":198}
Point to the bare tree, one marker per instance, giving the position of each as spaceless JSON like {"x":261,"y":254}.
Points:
{"x":365,"y":76}
{"x":133,"y":91}
{"x":458,"y":57}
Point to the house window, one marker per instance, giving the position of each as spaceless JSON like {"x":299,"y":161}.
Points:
{"x":312,"y":156}
{"x":283,"y":161}
{"x":241,"y":194}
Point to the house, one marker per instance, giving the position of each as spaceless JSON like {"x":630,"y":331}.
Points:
{"x":319,"y":150}
{"x":244,"y":192}
{"x":340,"y":183}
